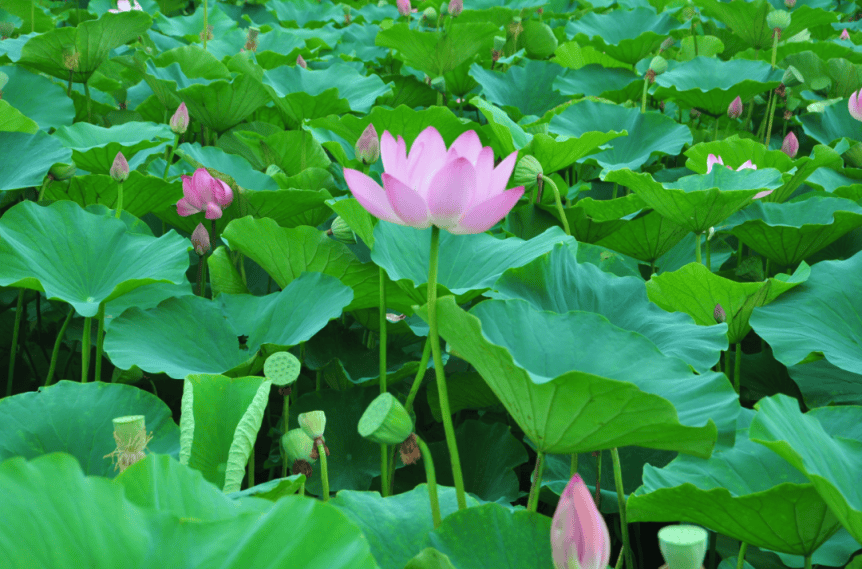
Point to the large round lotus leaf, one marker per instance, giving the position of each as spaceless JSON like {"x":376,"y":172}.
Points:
{"x":833,"y":123}
{"x":646,"y":237}
{"x":789,"y":232}
{"x":467,"y":264}
{"x":84,"y":258}
{"x":824,"y":444}
{"x":221,"y":105}
{"x":647,"y":132}
{"x":274,"y":48}
{"x":13,"y":120}
{"x":305,"y":11}
{"x":557,"y":282}
{"x":19,"y":91}
{"x":508,"y":135}
{"x":204,"y":527}
{"x":607,"y":375}
{"x":699,"y":202}
{"x":84,"y":47}
{"x":797,"y":324}
{"x":94,"y":148}
{"x":525,"y":88}
{"x":556,"y":154}
{"x":189,"y":27}
{"x":822,"y":383}
{"x":26,"y":158}
{"x":145,"y":297}
{"x":234,"y":166}
{"x":396,"y":526}
{"x":740,"y":492}
{"x":696,"y":290}
{"x":709,"y":84}
{"x":594,"y":80}
{"x":77,"y":418}
{"x":625,"y":35}
{"x":159,"y":340}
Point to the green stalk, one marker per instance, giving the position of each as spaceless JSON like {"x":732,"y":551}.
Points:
{"x":558,"y":200}
{"x":44,"y":187}
{"x":748,"y":118}
{"x":697,"y":249}
{"x":439,"y":98}
{"x":737,"y":366}
{"x":56,"y":353}
{"x":99,"y":333}
{"x":384,"y":452}
{"x":33,"y":16}
{"x":324,"y":471}
{"x":18,"y":310}
{"x":119,"y":199}
{"x":708,"y":262}
{"x":614,"y":195}
{"x":808,"y":562}
{"x":574,"y":468}
{"x":599,"y":480}
{"x":644,"y":96}
{"x":85,"y":348}
{"x":420,"y":373}
{"x":202,"y":276}
{"x":434,"y":338}
{"x":206,"y":29}
{"x":536,"y":488}
{"x":251,"y":467}
{"x":740,"y":562}
{"x":432,"y":479}
{"x":715,"y":131}
{"x":286,"y":428}
{"x":87,"y":92}
{"x":171,"y":157}
{"x":620,"y":558}
{"x":621,"y":500}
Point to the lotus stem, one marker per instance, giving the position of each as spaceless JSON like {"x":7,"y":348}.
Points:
{"x":712,"y":545}
{"x":708,"y":262}
{"x":616,"y":187}
{"x":558,"y":200}
{"x":432,"y":479}
{"x":434,"y":338}
{"x":740,"y":562}
{"x":324,"y":470}
{"x":100,"y":332}
{"x":44,"y":187}
{"x":202,"y":276}
{"x":384,"y":452}
{"x":171,"y":159}
{"x":18,"y":310}
{"x":737,"y":366}
{"x":808,"y":561}
{"x":85,"y":348}
{"x":536,"y":488}
{"x":119,"y":199}
{"x":697,"y":249}
{"x":206,"y":33}
{"x":574,"y":468}
{"x":715,"y":132}
{"x":420,"y":373}
{"x":644,"y":96}
{"x":56,"y":353}
{"x":286,"y":428}
{"x":251,"y":467}
{"x":87,"y":93}
{"x":598,"y":455}
{"x":621,"y":500}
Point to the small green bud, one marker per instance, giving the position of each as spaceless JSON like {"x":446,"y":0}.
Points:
{"x":62,"y":171}
{"x":658,"y":64}
{"x":430,"y":16}
{"x":778,"y":19}
{"x":297,"y":445}
{"x":499,"y":43}
{"x":385,"y":421}
{"x":527,"y":172}
{"x":312,"y":423}
{"x":341,"y":232}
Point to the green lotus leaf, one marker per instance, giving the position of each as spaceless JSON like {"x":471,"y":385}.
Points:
{"x":787,"y":233}
{"x":591,"y":220}
{"x":76,"y":418}
{"x":597,"y":81}
{"x":795,"y":325}
{"x":824,"y":444}
{"x":158,"y":340}
{"x":821,"y":383}
{"x":221,"y":105}
{"x":94,"y":259}
{"x":41,"y":152}
{"x":710,"y":84}
{"x":18,"y":92}
{"x":189,"y":27}
{"x":94,"y":147}
{"x":509,"y":136}
{"x":556,"y":154}
{"x":141,"y":194}
{"x":302,"y":12}
{"x":275,"y":48}
{"x":84,"y":47}
{"x":833,"y":123}
{"x":525,"y":88}
{"x":540,"y":386}
{"x":739,"y":492}
{"x":435,"y":53}
{"x":625,"y":35}
{"x":841,"y":182}
{"x":646,"y":237}
{"x":701,"y":201}
{"x":695,"y":290}
{"x":557,"y":282}
{"x":572,"y":55}
{"x":145,"y":297}
{"x":13,"y":120}
{"x":648,"y":133}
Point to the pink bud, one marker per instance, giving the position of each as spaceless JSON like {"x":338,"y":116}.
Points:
{"x":579,"y":535}
{"x":456,"y":7}
{"x":712,"y":159}
{"x":180,"y":120}
{"x":403,"y":7}
{"x":201,"y":240}
{"x":120,"y":168}
{"x":790,"y":146}
{"x":734,"y":110}
{"x":845,"y":35}
{"x":789,"y":4}
{"x":855,"y":105}
{"x":301,"y":62}
{"x":368,"y":146}
{"x":719,"y":314}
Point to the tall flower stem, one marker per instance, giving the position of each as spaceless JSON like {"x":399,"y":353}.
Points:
{"x":206,"y":29}
{"x":286,"y":429}
{"x":536,"y":488}
{"x":19,"y":308}
{"x":119,"y":199}
{"x":771,"y":111}
{"x":85,"y":348}
{"x":432,"y":480}
{"x":599,"y":480}
{"x":706,"y":245}
{"x":324,"y":471}
{"x":100,"y":331}
{"x":171,"y":156}
{"x":574,"y":468}
{"x":644,"y":96}
{"x":558,"y":200}
{"x":434,"y":338}
{"x":251,"y":467}
{"x":89,"y":103}
{"x":737,"y":366}
{"x":384,"y":449}
{"x":697,"y":249}
{"x":202,"y":276}
{"x":740,"y":561}
{"x":56,"y":353}
{"x":621,"y":500}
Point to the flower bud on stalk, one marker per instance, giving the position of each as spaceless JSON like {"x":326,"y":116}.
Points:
{"x":180,"y":120}
{"x":734,"y":110}
{"x":120,"y":168}
{"x":845,"y":35}
{"x":790,"y":146}
{"x":341,"y":232}
{"x":666,"y":44}
{"x":778,"y":20}
{"x":403,"y":7}
{"x":368,"y":146}
{"x":718,"y":314}
{"x":456,"y":7}
{"x":789,"y":4}
{"x":201,"y":240}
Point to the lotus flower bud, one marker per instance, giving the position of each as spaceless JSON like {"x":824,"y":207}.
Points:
{"x":301,"y":62}
{"x":62,"y":171}
{"x":790,"y":146}
{"x":120,"y":168}
{"x":789,"y":4}
{"x":201,"y":240}
{"x":368,"y":146}
{"x":658,"y":65}
{"x":180,"y":120}
{"x":845,"y":35}
{"x":527,"y":172}
{"x":855,"y":105}
{"x":312,"y":423}
{"x":403,"y":7}
{"x":778,"y":19}
{"x":499,"y":43}
{"x":456,"y":7}
{"x":341,"y":232}
{"x":297,"y":445}
{"x":667,"y":44}
{"x":6,"y":29}
{"x":385,"y":421}
{"x":430,"y":16}
{"x":734,"y":110}
{"x":579,"y":534}
{"x":718,"y":314}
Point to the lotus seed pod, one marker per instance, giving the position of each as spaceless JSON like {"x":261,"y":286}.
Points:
{"x":734,"y":110}
{"x":281,"y":368}
{"x":385,"y":421}
{"x":201,"y":240}
{"x":313,"y":423}
{"x":719,"y":314}
{"x":297,"y":445}
{"x":120,"y":168}
{"x":778,"y":19}
{"x":527,"y":172}
{"x":499,"y":43}
{"x":658,"y":64}
{"x":62,"y":171}
{"x":368,"y":146}
{"x":430,"y":16}
{"x":341,"y":232}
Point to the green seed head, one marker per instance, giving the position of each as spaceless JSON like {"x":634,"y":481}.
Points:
{"x":313,"y":423}
{"x":297,"y":445}
{"x":281,"y":368}
{"x":778,"y":19}
{"x":385,"y":421}
{"x":527,"y":172}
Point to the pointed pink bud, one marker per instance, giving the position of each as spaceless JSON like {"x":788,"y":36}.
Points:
{"x":855,"y":105}
{"x":368,"y":146}
{"x":735,"y":108}
{"x":747,"y":165}
{"x":762,"y":194}
{"x":790,"y":146}
{"x":202,"y":192}
{"x":201,"y":240}
{"x":180,"y":120}
{"x":456,"y":7}
{"x":845,"y":35}
{"x":712,"y":159}
{"x":120,"y":168}
{"x":719,"y":314}
{"x":789,"y":4}
{"x":403,"y":7}
{"x":579,"y":535}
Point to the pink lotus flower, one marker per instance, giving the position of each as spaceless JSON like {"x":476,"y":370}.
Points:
{"x":180,"y":121}
{"x":202,"y":192}
{"x":458,"y":190}
{"x":579,"y":535}
{"x":855,"y":105}
{"x":735,"y":108}
{"x":403,"y":7}
{"x":790,"y":146}
{"x":126,"y":6}
{"x":713,"y":159}
{"x":845,"y":35}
